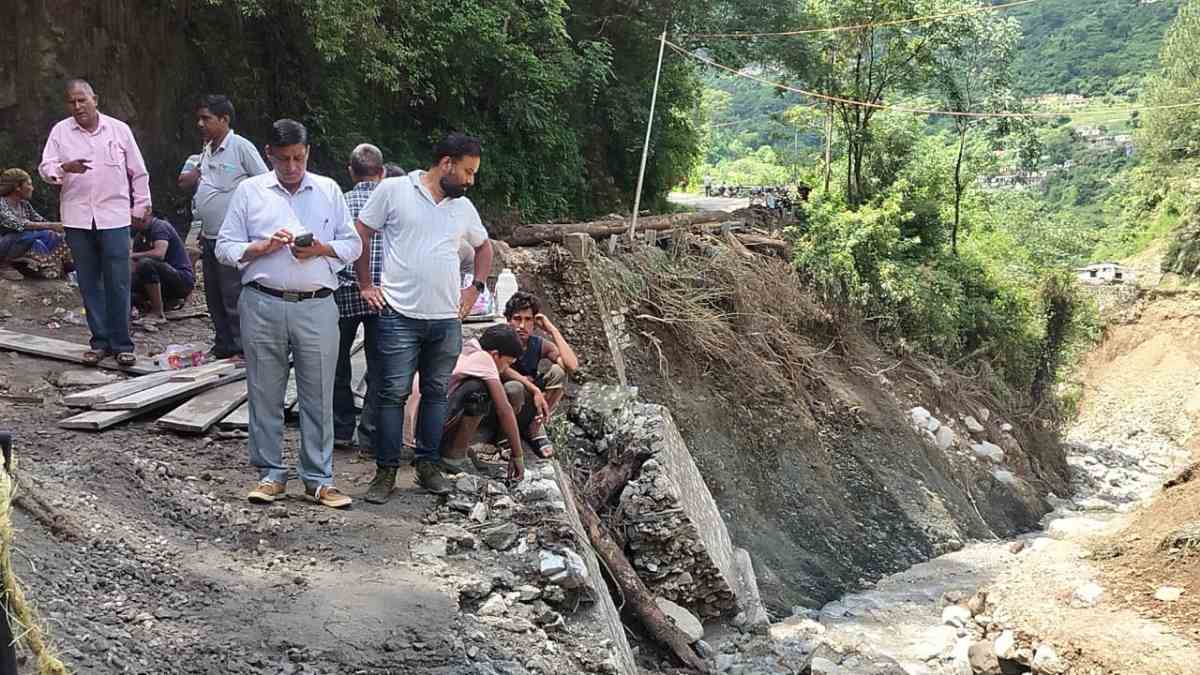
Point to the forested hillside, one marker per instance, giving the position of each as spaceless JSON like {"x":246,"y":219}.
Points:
{"x":1090,"y":48}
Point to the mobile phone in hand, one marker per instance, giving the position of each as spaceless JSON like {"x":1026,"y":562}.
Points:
{"x":303,"y":241}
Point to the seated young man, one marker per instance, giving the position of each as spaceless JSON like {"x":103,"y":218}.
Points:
{"x":542,"y":369}
{"x":477,"y":398}
{"x":162,"y":271}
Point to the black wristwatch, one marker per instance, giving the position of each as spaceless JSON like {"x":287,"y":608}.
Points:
{"x":478,"y":285}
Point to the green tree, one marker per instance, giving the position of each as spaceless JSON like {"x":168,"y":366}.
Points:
{"x":870,"y":65}
{"x":1175,"y":131}
{"x":972,"y":72}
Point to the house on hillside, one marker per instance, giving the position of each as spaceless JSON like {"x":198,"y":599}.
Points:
{"x":1105,"y":273}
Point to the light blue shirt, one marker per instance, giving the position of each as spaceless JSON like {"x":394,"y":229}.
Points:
{"x":222,"y":169}
{"x":421,"y":240}
{"x":261,"y":207}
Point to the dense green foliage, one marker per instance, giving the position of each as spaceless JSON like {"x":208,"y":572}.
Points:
{"x":1089,"y":48}
{"x":557,"y":89}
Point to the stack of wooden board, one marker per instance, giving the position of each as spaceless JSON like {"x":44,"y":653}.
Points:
{"x":202,"y":396}
{"x":207,"y":394}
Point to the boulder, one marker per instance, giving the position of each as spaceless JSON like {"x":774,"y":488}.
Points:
{"x":1005,"y":645}
{"x":501,"y":537}
{"x":494,"y":606}
{"x":945,"y":438}
{"x":1168,"y":594}
{"x":1046,"y":661}
{"x":988,"y":451}
{"x":972,"y":425}
{"x":551,"y":563}
{"x":983,"y":659}
{"x":956,"y":615}
{"x":1087,"y":595}
{"x":920,"y":417}
{"x":683,"y":619}
{"x":795,"y":628}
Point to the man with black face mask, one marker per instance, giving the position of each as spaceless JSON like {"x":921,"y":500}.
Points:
{"x":423,"y":217}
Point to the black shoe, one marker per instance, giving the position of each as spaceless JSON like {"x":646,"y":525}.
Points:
{"x":430,"y":477}
{"x":383,"y":484}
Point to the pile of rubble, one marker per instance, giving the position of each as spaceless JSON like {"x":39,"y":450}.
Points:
{"x":522,"y":579}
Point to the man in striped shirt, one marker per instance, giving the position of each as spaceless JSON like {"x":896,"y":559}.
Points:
{"x":366,"y":169}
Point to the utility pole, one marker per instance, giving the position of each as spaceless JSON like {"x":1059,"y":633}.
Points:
{"x":828,"y":143}
{"x":829,"y":118}
{"x":637,"y":198}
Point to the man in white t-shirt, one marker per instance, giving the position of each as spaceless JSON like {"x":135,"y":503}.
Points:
{"x":423,"y":217}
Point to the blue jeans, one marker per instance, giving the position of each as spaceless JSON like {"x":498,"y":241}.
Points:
{"x":345,"y":414}
{"x":102,"y":270}
{"x":407,"y":347}
{"x":41,"y":242}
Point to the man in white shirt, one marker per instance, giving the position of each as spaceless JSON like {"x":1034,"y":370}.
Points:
{"x":422,"y":217}
{"x":289,"y":233}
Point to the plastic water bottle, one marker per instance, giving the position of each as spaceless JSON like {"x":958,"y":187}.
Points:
{"x":506,"y":287}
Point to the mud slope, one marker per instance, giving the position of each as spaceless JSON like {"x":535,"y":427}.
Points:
{"x":812,"y":457}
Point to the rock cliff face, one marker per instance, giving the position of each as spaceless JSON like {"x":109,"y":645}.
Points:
{"x":139,"y":56}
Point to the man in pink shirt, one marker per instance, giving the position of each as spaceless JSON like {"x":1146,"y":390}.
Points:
{"x":95,"y":160}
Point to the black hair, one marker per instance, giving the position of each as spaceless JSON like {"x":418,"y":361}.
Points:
{"x":522,"y":300}
{"x":457,"y":146}
{"x":393,"y":170}
{"x":218,"y":104}
{"x":366,"y":161}
{"x":501,"y":338}
{"x":287,"y":132}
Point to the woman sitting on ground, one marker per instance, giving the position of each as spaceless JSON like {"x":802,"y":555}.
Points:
{"x":28,"y":242}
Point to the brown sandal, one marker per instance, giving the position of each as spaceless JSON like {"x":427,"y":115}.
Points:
{"x":126,"y":359}
{"x":93,"y":357}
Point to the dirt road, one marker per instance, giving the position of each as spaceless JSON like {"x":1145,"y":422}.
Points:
{"x":172,"y":571}
{"x":702,"y":203}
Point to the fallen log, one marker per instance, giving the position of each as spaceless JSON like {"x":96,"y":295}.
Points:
{"x":638,"y":598}
{"x":532,"y":235}
{"x":608,"y":481}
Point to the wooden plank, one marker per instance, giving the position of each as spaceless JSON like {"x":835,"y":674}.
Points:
{"x":205,"y":410}
{"x":154,"y":395}
{"x":215,"y":368}
{"x":358,"y":374}
{"x":99,"y":420}
{"x":238,"y":419}
{"x":116,"y":390}
{"x":65,"y":351}
{"x":290,"y":395}
{"x":181,"y":314}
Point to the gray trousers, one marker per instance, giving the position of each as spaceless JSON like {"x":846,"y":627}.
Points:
{"x":273,"y":328}
{"x":222,"y":288}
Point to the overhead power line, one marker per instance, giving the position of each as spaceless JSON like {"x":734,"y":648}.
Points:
{"x":916,"y":111}
{"x":863,"y":26}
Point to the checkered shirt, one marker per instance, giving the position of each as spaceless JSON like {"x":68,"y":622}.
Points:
{"x":349,"y":301}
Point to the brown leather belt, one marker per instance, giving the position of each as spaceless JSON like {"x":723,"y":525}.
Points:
{"x":291,"y":296}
